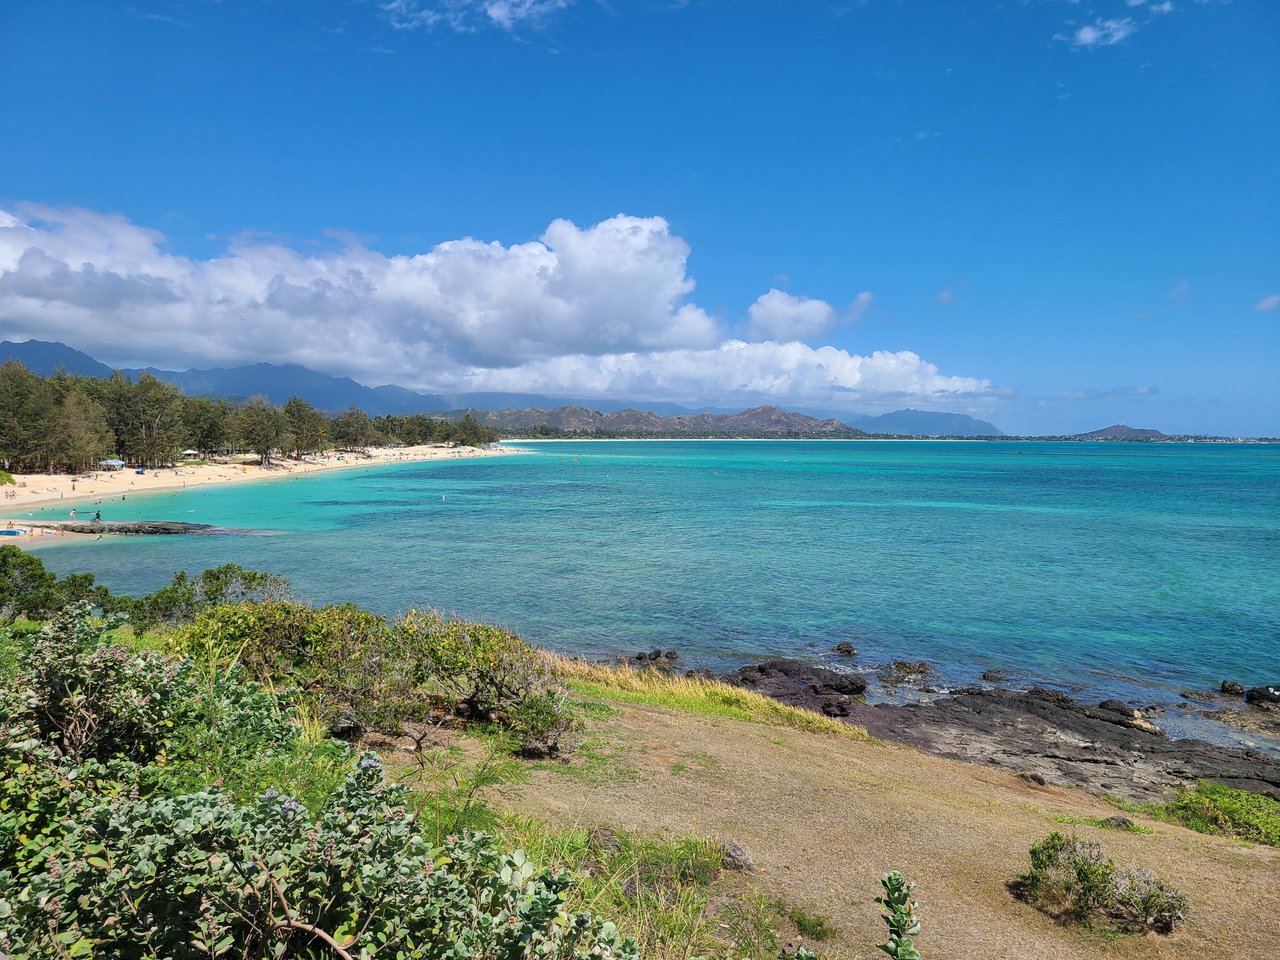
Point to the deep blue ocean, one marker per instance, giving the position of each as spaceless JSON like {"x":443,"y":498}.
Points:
{"x":1137,"y":570}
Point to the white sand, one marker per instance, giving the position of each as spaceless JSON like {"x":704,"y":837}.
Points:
{"x":83,"y":493}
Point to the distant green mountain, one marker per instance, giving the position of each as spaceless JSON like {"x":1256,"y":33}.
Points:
{"x":42,"y":357}
{"x":925,"y":423}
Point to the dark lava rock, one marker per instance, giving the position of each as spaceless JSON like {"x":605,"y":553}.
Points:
{"x":1119,"y":823}
{"x":1232,"y":687}
{"x":671,"y":655}
{"x":736,"y":857}
{"x":702,"y":673}
{"x":802,"y":685}
{"x":1036,"y":778}
{"x":1116,"y":706}
{"x":903,"y":671}
{"x":1268,"y":696}
{"x":994,"y":676}
{"x":845,"y":649}
{"x":1047,"y":733}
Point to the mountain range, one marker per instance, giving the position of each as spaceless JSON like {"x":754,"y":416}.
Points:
{"x":506,"y":411}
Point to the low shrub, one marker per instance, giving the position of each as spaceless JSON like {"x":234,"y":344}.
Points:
{"x":1215,"y":808}
{"x":487,"y":674}
{"x":1074,"y":881}
{"x":86,"y":698}
{"x":815,"y":926}
{"x":1143,"y":900}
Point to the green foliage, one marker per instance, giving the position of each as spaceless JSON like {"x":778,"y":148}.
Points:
{"x":748,"y":927}
{"x":899,"y":916}
{"x":107,"y":850}
{"x":1074,"y":881}
{"x":345,"y":659}
{"x":1215,"y":808}
{"x":186,"y":597}
{"x":28,"y":590}
{"x":6,"y":478}
{"x":451,"y":788}
{"x":260,"y":427}
{"x":491,"y":675}
{"x":195,"y":875}
{"x":1101,"y":824}
{"x":812,"y":925}
{"x":658,"y":891}
{"x":91,"y":700}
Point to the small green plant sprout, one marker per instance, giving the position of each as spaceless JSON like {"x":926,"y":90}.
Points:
{"x":899,"y":917}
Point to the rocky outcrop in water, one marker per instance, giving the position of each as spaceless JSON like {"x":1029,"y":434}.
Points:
{"x":801,"y":684}
{"x":140,"y":527}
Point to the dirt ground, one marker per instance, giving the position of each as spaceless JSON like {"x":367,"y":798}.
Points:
{"x":823,"y":818}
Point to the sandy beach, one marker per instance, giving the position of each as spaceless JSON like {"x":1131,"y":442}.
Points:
{"x":86,"y":492}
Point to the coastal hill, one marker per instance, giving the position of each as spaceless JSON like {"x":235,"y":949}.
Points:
{"x":1122,"y":431}
{"x":514,"y":411}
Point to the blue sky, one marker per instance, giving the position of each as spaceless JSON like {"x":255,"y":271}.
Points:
{"x":1052,"y":215}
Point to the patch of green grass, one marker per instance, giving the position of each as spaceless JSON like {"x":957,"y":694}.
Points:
{"x":593,"y":709}
{"x":1120,"y":803}
{"x":1214,"y":808}
{"x":815,"y":926}
{"x":655,"y":890}
{"x":1102,"y":824}
{"x":678,"y":768}
{"x":597,"y":762}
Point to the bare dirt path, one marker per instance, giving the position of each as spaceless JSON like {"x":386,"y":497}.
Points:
{"x":824,"y":817}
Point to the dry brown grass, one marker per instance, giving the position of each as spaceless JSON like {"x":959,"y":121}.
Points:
{"x":825,"y":816}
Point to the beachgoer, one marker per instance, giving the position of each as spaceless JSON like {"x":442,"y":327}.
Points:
{"x":73,"y":513}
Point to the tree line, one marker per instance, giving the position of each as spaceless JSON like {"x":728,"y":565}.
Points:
{"x":71,"y":423}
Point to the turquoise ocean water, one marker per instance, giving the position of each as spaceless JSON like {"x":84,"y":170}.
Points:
{"x":1136,"y":570}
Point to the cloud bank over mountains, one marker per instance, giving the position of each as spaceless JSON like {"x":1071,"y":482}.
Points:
{"x":604,"y":310}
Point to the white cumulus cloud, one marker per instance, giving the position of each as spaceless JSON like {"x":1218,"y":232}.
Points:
{"x":1268,"y":303}
{"x":1102,"y":32}
{"x":782,"y":316}
{"x":596,"y":311}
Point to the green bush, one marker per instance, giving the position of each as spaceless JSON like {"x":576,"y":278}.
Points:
{"x":1074,"y":881}
{"x":86,"y":698}
{"x":488,"y":674}
{"x":344,"y":659}
{"x":195,"y":875}
{"x":1214,"y":808}
{"x":105,"y":850}
{"x":28,"y":590}
{"x":187,"y":596}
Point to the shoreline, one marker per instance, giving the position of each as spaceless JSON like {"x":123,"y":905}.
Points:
{"x":85,"y":492}
{"x":1043,"y":735}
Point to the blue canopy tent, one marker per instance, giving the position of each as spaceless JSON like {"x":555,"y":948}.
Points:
{"x":111,"y":464}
